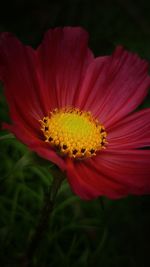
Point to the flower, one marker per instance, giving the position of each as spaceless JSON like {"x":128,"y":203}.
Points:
{"x":78,"y":111}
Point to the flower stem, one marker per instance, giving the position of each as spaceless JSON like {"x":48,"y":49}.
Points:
{"x":42,"y":226}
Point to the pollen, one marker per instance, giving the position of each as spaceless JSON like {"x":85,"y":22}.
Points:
{"x":73,"y":133}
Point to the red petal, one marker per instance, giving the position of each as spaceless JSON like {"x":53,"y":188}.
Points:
{"x":114,"y":86}
{"x":131,"y":168}
{"x":132,"y":132}
{"x":31,"y":89}
{"x":34,"y":143}
{"x":112,"y":174}
{"x":20,"y":75}
{"x":88,"y":183}
{"x":91,"y":87}
{"x":64,"y":58}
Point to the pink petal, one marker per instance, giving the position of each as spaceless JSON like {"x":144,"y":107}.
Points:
{"x":131,"y":132}
{"x":88,"y":183}
{"x":64,"y":58}
{"x":114,"y":86}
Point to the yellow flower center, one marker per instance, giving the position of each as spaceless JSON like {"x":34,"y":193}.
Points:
{"x":73,"y":133}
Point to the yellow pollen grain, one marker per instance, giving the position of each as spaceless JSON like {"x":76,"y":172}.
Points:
{"x":73,"y":133}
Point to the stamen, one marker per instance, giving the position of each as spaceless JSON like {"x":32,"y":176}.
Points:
{"x":64,"y":147}
{"x":92,"y":151}
{"x":74,"y":133}
{"x":74,"y":151}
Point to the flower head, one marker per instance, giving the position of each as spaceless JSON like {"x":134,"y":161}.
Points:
{"x":78,"y":111}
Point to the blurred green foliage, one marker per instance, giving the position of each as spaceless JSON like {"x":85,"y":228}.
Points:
{"x":97,"y":233}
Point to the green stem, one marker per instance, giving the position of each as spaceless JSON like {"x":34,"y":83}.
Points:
{"x":42,"y":226}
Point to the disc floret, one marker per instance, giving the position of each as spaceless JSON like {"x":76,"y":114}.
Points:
{"x":74,"y":133}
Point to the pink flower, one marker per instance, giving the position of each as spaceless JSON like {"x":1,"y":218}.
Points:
{"x":78,"y":111}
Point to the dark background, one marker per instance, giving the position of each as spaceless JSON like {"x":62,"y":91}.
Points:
{"x":108,"y":22}
{"x":80,"y":233}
